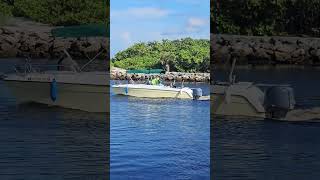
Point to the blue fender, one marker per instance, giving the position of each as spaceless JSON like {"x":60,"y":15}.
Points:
{"x":126,"y":90}
{"x":53,"y":90}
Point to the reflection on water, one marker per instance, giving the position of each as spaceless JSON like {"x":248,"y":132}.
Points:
{"x":159,"y":138}
{"x":245,"y":148}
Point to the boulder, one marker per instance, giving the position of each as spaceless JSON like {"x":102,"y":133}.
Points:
{"x":264,"y":50}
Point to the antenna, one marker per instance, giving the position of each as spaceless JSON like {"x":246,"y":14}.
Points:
{"x":232,"y":77}
{"x":90,"y":60}
{"x":67,"y":53}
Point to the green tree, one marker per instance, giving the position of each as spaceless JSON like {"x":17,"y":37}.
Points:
{"x":58,"y":12}
{"x":266,"y":17}
{"x":5,"y":12}
{"x":185,"y":55}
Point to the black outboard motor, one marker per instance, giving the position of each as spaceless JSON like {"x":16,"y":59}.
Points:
{"x":278,"y":101}
{"x":197,"y":93}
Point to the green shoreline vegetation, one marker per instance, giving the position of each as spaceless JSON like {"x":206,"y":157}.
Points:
{"x":56,"y":12}
{"x":183,"y":55}
{"x":266,"y":17}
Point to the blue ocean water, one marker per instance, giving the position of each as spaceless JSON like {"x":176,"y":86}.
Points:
{"x":160,"y":138}
{"x":245,"y":148}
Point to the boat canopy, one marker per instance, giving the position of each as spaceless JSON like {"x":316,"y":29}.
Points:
{"x":88,"y":30}
{"x":146,"y":71}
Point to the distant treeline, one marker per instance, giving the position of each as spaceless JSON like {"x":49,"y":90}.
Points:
{"x":58,"y":12}
{"x":266,"y":17}
{"x":184,"y":55}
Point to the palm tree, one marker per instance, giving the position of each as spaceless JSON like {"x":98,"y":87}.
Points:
{"x":166,"y":58}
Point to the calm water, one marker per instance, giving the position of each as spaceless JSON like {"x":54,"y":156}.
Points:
{"x":253,"y":149}
{"x":160,"y":139}
{"x":38,"y":142}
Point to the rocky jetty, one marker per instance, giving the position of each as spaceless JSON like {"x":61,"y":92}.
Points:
{"x":273,"y":50}
{"x":120,"y":74}
{"x":35,"y":40}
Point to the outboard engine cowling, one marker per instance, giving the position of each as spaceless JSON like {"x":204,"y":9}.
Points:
{"x":197,"y":93}
{"x":278,"y":101}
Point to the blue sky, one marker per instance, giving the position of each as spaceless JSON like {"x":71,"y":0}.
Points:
{"x":135,"y":21}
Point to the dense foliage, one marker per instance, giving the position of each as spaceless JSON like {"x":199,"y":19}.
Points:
{"x":185,"y":55}
{"x":57,"y":12}
{"x":5,"y":10}
{"x":266,"y":17}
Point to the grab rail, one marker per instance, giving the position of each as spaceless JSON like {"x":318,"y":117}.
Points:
{"x":29,"y":68}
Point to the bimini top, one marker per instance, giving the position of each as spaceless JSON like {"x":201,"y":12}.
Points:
{"x":88,"y":30}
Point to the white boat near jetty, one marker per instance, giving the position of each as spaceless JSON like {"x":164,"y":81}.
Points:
{"x":64,"y":84}
{"x":156,"y":89}
{"x":152,"y":91}
{"x":64,"y":89}
{"x":74,"y":89}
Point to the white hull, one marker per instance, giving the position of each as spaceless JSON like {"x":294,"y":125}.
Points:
{"x":90,"y":98}
{"x":241,"y":99}
{"x":149,"y":91}
{"x":86,"y":91}
{"x":237,"y":106}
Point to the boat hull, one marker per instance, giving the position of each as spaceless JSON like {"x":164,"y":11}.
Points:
{"x":90,"y":98}
{"x":150,"y":93}
{"x":235,"y":106}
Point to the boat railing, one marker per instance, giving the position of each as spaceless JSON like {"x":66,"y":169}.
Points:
{"x":39,"y":68}
{"x":28,"y":67}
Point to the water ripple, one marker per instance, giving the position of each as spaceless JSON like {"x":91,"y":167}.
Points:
{"x":159,"y":138}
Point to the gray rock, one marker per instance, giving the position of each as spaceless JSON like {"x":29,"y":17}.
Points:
{"x":40,"y":43}
{"x":264,"y":50}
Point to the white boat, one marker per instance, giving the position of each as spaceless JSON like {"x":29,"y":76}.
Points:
{"x":253,"y":100}
{"x":153,"y":91}
{"x":86,"y":91}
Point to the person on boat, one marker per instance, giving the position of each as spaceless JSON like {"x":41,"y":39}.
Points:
{"x":155,"y":81}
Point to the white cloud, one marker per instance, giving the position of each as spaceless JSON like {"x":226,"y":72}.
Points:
{"x":141,"y":12}
{"x":196,"y":21}
{"x":126,"y":37}
{"x":195,"y":24}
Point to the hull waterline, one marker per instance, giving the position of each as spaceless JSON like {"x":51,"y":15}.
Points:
{"x":90,"y":98}
{"x":151,"y":92}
